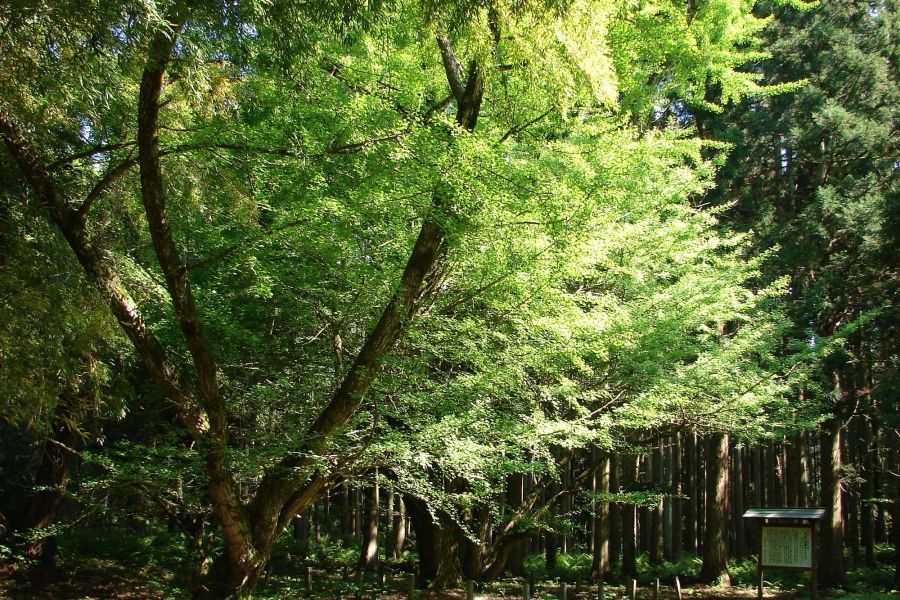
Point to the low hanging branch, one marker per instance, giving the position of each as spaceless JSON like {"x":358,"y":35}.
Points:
{"x":126,"y":165}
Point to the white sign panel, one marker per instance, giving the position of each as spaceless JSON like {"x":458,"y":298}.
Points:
{"x":787,"y":546}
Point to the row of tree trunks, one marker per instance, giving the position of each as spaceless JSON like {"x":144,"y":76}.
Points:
{"x":719,"y":478}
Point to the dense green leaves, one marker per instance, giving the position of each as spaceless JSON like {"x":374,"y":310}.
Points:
{"x":579,"y":295}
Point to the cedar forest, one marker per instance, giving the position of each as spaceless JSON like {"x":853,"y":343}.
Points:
{"x":492,"y":291}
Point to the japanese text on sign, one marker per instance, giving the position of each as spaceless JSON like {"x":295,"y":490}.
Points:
{"x":787,"y":547}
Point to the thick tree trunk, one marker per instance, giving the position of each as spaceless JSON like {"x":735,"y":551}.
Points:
{"x":702,"y":497}
{"x":551,"y":549}
{"x":423,"y":526}
{"x":893,"y":452}
{"x":301,"y":531}
{"x":677,"y":490}
{"x":368,"y":559}
{"x":399,"y":528}
{"x":715,"y":543}
{"x":448,"y":565}
{"x":831,"y":538}
{"x":655,"y":469}
{"x":850,"y":494}
{"x":600,"y":566}
{"x":629,"y":518}
{"x":615,"y":514}
{"x":740,"y":538}
{"x":693,"y":492}
{"x":515,"y":562}
{"x":869,"y":461}
{"x":346,"y":517}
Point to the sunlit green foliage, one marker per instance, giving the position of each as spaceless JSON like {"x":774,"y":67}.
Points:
{"x":582,"y":295}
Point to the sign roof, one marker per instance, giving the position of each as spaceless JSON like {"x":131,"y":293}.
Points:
{"x":785,"y":513}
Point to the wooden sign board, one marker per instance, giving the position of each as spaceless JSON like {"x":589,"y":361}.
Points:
{"x":786,"y":540}
{"x":790,"y":547}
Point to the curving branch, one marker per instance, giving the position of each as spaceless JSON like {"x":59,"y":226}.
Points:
{"x":100,"y":149}
{"x":96,"y":265}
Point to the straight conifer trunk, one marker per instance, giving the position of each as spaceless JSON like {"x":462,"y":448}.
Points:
{"x":715,"y":543}
{"x":655,"y":472}
{"x":831,"y":538}
{"x":615,"y":514}
{"x":600,"y":566}
{"x":693,"y":492}
{"x":629,"y":519}
{"x":368,"y":560}
{"x":740,"y":538}
{"x":677,"y":490}
{"x":399,"y":527}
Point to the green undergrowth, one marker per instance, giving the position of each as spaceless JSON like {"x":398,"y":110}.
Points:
{"x":161,"y":562}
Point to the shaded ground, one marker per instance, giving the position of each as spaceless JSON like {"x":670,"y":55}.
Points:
{"x":93,"y":580}
{"x":108,"y":580}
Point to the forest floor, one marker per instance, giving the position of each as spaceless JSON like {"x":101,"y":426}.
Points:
{"x":109,"y":565}
{"x":108,"y":580}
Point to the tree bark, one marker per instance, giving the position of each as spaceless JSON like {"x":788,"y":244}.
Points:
{"x":740,"y":538}
{"x":600,"y":566}
{"x":368,"y":559}
{"x":424,"y":529}
{"x":615,"y":513}
{"x":655,"y":468}
{"x":677,"y":490}
{"x":399,"y":527}
{"x":693,"y":491}
{"x":629,"y":520}
{"x":515,"y":496}
{"x":715,"y":543}
{"x":293,"y":484}
{"x":448,"y":566}
{"x":831,"y":538}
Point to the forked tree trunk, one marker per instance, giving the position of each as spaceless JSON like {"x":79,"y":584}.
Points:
{"x":292,"y":485}
{"x":715,"y":543}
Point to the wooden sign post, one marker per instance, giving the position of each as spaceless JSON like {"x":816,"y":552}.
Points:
{"x":786,"y":540}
